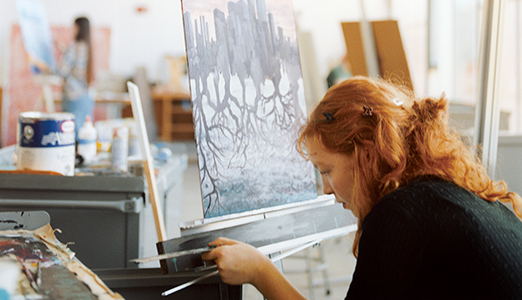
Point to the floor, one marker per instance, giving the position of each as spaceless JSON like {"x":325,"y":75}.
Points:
{"x":338,"y":264}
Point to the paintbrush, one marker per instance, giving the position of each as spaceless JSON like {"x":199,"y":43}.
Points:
{"x":173,"y":255}
{"x":29,"y":275}
{"x":38,"y":275}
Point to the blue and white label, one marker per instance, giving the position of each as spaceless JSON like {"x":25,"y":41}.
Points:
{"x":47,"y":133}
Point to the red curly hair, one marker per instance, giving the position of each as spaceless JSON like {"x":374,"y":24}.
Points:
{"x":403,"y":138}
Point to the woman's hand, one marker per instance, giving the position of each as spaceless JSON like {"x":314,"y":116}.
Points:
{"x":40,"y":65}
{"x":238,"y":263}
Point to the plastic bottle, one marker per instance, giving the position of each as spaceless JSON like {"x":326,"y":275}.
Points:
{"x":87,"y":140}
{"x":104,"y":136}
{"x":120,"y":148}
{"x":134,"y":142}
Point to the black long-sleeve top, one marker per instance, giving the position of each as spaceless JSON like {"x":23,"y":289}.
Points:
{"x":434,"y":240}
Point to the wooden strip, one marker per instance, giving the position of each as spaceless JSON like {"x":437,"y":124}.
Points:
{"x":137,"y":112}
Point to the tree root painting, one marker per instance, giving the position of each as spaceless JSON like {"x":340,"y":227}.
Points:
{"x":248,"y":104}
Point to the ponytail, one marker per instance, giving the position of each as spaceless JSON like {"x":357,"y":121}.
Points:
{"x":438,"y":150}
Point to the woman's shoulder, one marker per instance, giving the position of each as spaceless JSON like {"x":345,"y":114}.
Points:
{"x":423,"y":198}
{"x":431,"y":199}
{"x":424,"y":187}
{"x":408,"y":203}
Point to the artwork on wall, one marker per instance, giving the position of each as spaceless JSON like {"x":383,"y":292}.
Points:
{"x":248,"y":104}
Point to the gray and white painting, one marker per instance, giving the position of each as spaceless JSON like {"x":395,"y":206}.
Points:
{"x":248,"y":104}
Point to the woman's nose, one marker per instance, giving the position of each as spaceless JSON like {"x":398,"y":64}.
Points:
{"x":327,"y":188}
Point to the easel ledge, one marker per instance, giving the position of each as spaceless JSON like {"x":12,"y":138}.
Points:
{"x":203,"y":225}
{"x":271,"y":231}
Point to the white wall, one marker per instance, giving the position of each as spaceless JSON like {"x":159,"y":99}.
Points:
{"x":323,"y":19}
{"x":144,"y":38}
{"x":136,"y":39}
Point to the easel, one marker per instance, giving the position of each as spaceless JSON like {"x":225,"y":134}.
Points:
{"x":276,"y":222}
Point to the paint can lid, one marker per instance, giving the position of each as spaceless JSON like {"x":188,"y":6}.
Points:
{"x":37,"y":115}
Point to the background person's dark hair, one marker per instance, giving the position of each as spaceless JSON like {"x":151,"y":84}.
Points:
{"x":84,"y":35}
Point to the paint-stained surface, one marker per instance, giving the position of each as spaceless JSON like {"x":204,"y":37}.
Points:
{"x":27,"y":248}
{"x":46,"y":276}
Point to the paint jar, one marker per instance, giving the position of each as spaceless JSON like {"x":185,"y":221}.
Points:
{"x":120,"y":148}
{"x":46,"y":142}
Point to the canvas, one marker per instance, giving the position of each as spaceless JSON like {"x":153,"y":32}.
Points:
{"x":248,"y":104}
{"x":36,"y":32}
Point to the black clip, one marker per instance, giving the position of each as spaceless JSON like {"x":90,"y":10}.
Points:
{"x":329,"y":116}
{"x":367,"y":111}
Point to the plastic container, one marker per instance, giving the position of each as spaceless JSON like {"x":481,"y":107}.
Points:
{"x":103,"y":144}
{"x":87,"y":140}
{"x":134,"y":142}
{"x":120,"y":148}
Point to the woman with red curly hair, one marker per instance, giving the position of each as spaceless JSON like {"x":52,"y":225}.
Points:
{"x":432,"y":224}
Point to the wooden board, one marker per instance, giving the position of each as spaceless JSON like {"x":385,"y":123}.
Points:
{"x":354,"y":48}
{"x":392,"y":58}
{"x":390,"y":52}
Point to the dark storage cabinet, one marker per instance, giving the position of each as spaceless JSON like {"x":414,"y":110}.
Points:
{"x":139,"y":284}
{"x":101,"y":216}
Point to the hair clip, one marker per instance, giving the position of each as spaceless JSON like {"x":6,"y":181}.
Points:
{"x":329,"y":116}
{"x":398,"y":101}
{"x":367,"y":111}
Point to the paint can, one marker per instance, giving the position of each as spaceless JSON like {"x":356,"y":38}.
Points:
{"x":46,"y":142}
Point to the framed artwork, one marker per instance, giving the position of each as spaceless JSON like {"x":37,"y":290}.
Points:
{"x":248,"y":105}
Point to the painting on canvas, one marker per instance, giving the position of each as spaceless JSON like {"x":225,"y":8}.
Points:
{"x":248,"y":104}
